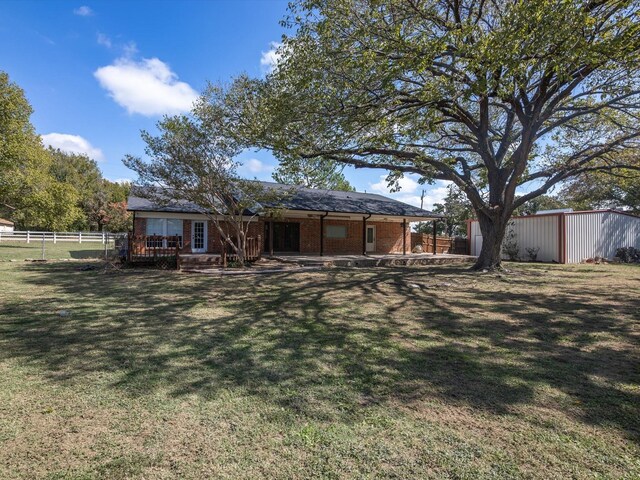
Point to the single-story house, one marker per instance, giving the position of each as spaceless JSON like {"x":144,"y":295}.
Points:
{"x":567,"y":236}
{"x":310,"y":221}
{"x":6,"y":225}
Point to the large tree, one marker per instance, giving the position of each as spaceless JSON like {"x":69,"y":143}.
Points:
{"x":29,"y":194}
{"x":312,"y":173}
{"x":595,"y":190}
{"x":496,"y":96}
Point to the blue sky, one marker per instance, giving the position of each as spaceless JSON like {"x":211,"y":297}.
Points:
{"x":97,"y":73}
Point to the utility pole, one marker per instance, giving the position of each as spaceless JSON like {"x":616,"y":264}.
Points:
{"x":421,"y":206}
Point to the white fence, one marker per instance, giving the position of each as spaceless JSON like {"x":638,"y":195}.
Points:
{"x":55,"y":237}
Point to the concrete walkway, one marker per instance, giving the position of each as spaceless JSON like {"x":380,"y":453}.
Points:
{"x":373,"y":260}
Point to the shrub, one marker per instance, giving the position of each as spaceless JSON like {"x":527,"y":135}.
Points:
{"x":532,"y":252}
{"x":628,"y":254}
{"x":510,"y":244}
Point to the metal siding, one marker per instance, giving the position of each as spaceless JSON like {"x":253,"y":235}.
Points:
{"x":531,"y":232}
{"x":600,"y":234}
{"x":475,"y":232}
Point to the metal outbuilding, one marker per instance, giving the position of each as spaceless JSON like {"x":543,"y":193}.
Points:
{"x":568,"y":237}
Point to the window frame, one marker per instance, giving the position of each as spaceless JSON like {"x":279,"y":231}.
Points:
{"x":331,"y":230}
{"x":164,"y":229}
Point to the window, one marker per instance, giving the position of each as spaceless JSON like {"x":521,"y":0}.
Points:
{"x":174,"y":229}
{"x":155,"y":230}
{"x":336,"y":231}
{"x":163,"y":227}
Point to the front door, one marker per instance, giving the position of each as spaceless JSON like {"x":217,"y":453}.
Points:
{"x":198,"y":236}
{"x":371,"y":238}
{"x":286,"y":237}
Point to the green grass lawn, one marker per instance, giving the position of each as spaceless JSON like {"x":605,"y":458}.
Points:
{"x":361,"y":373}
{"x":52,"y":251}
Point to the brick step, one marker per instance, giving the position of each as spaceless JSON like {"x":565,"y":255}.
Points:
{"x":203,"y":266}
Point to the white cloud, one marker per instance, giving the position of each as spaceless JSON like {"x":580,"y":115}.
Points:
{"x":147,"y":87}
{"x":254,"y":165}
{"x":83,"y":11}
{"x":271,"y":57}
{"x":104,"y":40}
{"x":72,"y":144}
{"x":122,"y":180}
{"x":410,"y":191}
{"x":407,"y":185}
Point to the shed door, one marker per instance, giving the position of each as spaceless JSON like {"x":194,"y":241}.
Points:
{"x":478,"y":245}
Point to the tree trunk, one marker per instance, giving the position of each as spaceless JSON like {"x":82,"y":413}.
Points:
{"x":493,"y":230}
{"x":242,"y":245}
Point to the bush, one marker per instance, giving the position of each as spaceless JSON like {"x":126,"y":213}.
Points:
{"x":533,"y":253}
{"x":628,"y":254}
{"x":510,"y":246}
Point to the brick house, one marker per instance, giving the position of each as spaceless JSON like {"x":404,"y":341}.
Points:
{"x":312,"y":221}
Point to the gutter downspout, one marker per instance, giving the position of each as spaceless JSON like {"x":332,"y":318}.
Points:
{"x":322,"y":233}
{"x":364,"y":234}
{"x":435,"y":236}
{"x":404,"y":236}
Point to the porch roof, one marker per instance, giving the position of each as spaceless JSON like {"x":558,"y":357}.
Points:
{"x":305,"y":200}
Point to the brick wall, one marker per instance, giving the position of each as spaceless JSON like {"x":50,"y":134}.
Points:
{"x":388,"y":236}
{"x":140,"y":226}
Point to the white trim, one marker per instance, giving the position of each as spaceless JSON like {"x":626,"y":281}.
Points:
{"x":301,"y":214}
{"x":205,"y":234}
{"x":370,"y":247}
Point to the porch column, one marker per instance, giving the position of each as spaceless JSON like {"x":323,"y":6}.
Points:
{"x":271,"y":236}
{"x":435,"y":236}
{"x":404,"y":236}
{"x":364,"y":233}
{"x":322,"y":233}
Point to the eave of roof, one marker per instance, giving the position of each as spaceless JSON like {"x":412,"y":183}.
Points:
{"x":309,"y":200}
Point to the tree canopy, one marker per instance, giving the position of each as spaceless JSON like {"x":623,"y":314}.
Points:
{"x":493,"y":96}
{"x":312,"y":173}
{"x":47,"y":189}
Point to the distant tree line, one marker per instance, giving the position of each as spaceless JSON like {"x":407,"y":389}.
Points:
{"x":48,"y":189}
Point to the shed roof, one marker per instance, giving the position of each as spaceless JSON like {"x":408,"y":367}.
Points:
{"x":4,"y":221}
{"x":302,"y":199}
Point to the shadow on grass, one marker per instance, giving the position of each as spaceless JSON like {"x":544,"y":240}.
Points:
{"x":327,"y":344}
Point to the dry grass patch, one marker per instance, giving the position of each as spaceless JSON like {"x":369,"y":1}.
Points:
{"x":400,"y":372}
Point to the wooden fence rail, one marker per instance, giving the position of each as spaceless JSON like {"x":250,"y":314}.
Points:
{"x":457,"y":245}
{"x":29,"y":236}
{"x":252,"y":252}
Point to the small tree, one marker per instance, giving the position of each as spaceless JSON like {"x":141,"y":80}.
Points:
{"x":192,"y":160}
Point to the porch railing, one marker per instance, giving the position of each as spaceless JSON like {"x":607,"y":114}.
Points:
{"x":252,"y":252}
{"x":151,"y":247}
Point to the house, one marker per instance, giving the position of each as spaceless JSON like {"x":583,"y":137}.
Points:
{"x":6,"y":225}
{"x":565,"y":236}
{"x":311,"y":221}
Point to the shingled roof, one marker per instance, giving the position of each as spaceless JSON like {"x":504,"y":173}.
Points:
{"x":304,"y":199}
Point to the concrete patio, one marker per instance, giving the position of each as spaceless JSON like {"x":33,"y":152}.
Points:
{"x":372,"y":260}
